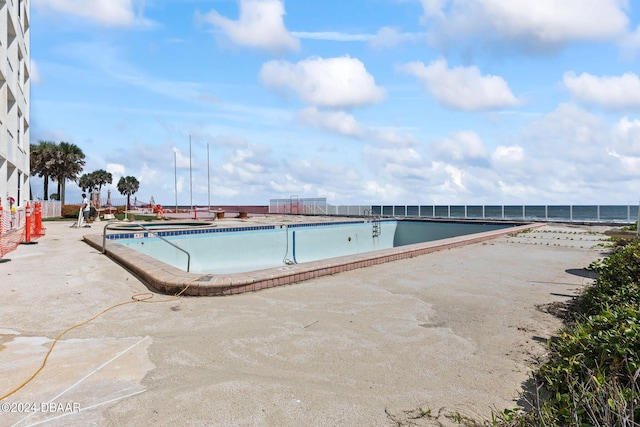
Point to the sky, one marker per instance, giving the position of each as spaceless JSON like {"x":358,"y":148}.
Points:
{"x":228,"y":102}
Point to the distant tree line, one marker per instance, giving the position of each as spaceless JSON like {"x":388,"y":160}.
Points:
{"x":64,"y":161}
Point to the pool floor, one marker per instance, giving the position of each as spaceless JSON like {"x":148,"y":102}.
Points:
{"x":171,"y":280}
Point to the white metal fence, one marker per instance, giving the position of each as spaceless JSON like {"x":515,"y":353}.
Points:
{"x":50,"y":208}
{"x":550,"y":213}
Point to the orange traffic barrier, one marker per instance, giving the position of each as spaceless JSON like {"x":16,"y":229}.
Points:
{"x":38,"y":230}
{"x":27,"y":225}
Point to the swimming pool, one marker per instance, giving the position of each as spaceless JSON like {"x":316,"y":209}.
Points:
{"x":244,"y":249}
{"x":281,"y":254}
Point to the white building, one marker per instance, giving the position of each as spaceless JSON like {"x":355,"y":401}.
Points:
{"x":14,"y":101}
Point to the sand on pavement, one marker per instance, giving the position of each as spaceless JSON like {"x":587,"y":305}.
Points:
{"x":451,"y":331}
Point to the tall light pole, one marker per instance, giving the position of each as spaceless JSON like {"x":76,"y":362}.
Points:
{"x":208,"y":182}
{"x":175,"y":176}
{"x":190,"y":176}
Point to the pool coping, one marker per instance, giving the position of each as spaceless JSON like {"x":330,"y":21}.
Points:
{"x":171,"y":280}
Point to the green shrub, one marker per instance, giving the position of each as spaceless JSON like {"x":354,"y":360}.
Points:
{"x":592,"y":373}
{"x":617,"y":284}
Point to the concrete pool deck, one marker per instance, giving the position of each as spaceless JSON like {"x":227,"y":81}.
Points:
{"x":455,"y":329}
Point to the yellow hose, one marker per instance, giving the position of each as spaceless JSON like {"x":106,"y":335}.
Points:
{"x":140,"y":297}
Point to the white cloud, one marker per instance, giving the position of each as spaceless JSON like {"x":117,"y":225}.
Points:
{"x":630,"y":44}
{"x":259,"y":26}
{"x":332,"y":82}
{"x":466,"y":146}
{"x":116,"y":170}
{"x":323,"y":177}
{"x":333,"y":121}
{"x":615,"y":92}
{"x":455,"y":176}
{"x":346,"y":124}
{"x":374,"y":190}
{"x":181,"y":160}
{"x":332,"y":36}
{"x":386,"y":156}
{"x":532,"y":25}
{"x":627,"y":136}
{"x":568,"y":154}
{"x":627,"y":165}
{"x":462,"y":88}
{"x":112,"y":13}
{"x":388,"y":38}
{"x":512,"y":154}
{"x":392,"y":136}
{"x":433,"y":7}
{"x":248,"y":166}
{"x":570,"y":131}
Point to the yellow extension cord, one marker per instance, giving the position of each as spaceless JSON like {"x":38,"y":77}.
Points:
{"x":140,"y":297}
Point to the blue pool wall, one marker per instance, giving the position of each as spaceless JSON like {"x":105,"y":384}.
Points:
{"x":411,"y":232}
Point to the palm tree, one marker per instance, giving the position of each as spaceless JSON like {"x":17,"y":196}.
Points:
{"x":42,"y":162}
{"x":96,"y":179}
{"x":68,"y":163}
{"x":127,"y":186}
{"x":86,"y":182}
{"x":101,"y":177}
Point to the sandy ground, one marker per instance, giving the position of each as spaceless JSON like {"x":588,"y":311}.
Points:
{"x":454,"y":331}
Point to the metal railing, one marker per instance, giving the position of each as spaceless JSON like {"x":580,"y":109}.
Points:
{"x":548,"y":213}
{"x":376,"y":228}
{"x":104,"y":239}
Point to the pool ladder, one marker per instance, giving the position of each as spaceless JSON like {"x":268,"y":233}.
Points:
{"x":376,"y":229}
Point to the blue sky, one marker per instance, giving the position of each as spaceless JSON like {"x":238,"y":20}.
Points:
{"x":359,"y":101}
